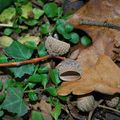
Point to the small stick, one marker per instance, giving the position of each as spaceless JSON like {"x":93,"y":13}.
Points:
{"x":34,"y":60}
{"x":112,"y":109}
{"x":11,"y":25}
{"x":100,"y":24}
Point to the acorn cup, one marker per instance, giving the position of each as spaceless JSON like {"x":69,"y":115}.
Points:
{"x":86,"y":103}
{"x":56,"y":47}
{"x":69,"y":70}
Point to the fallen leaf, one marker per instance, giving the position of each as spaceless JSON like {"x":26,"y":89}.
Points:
{"x":105,"y":40}
{"x":103,"y":77}
{"x":45,"y":109}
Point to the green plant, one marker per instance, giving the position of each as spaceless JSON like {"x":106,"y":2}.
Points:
{"x":26,"y":59}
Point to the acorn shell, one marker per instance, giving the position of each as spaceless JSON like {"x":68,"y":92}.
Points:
{"x":69,"y":70}
{"x":112,"y":102}
{"x":56,"y":47}
{"x":86,"y":104}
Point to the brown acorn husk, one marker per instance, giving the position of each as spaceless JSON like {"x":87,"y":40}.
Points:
{"x":69,"y":70}
{"x":86,"y":103}
{"x":56,"y":47}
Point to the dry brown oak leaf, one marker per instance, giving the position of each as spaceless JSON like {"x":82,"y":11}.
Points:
{"x":104,"y":77}
{"x":105,"y":40}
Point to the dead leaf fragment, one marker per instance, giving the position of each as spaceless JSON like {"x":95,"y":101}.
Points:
{"x":45,"y":109}
{"x":104,"y":77}
{"x":105,"y":40}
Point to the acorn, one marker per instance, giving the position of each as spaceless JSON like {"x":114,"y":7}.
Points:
{"x":69,"y":70}
{"x":112,"y":102}
{"x":56,"y":47}
{"x":86,"y":103}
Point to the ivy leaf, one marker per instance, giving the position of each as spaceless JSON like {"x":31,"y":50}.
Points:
{"x":44,"y":79}
{"x":42,"y":50}
{"x":68,"y":27}
{"x":52,"y":90}
{"x":5,"y":41}
{"x":8,"y":31}
{"x":7,"y":15}
{"x":1,"y":113}
{"x":18,"y":51}
{"x":35,"y":78}
{"x":3,"y":59}
{"x":85,"y":41}
{"x":36,"y":116}
{"x":43,"y":69}
{"x":26,"y":10}
{"x":51,"y":9}
{"x":45,"y":28}
{"x":32,"y":96}
{"x":14,"y":102}
{"x":55,"y":76}
{"x":22,"y":70}
{"x":57,"y":110}
{"x":37,"y":13}
{"x":5,"y":3}
{"x":74,"y":38}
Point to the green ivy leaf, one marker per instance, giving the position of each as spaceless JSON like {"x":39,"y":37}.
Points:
{"x":57,"y":110}
{"x":43,"y":69}
{"x":2,"y":97}
{"x":35,"y":78}
{"x":31,"y":22}
{"x":42,"y":50}
{"x":74,"y":38}
{"x":31,"y":44}
{"x":45,"y":28}
{"x":1,"y":113}
{"x":3,"y":59}
{"x":68,"y":27}
{"x":14,"y":102}
{"x":26,"y":10}
{"x":32,"y":96}
{"x":51,"y":9}
{"x":86,"y":41}
{"x":36,"y":116}
{"x":22,"y":70}
{"x":51,"y":90}
{"x":37,"y":13}
{"x":5,"y":3}
{"x":60,"y":29}
{"x":8,"y":31}
{"x":54,"y":75}
{"x":18,"y":51}
{"x":7,"y":15}
{"x":44,"y":80}
{"x":5,"y":41}
{"x":1,"y":85}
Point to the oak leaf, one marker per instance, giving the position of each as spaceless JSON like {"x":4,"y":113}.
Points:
{"x":105,"y":40}
{"x":103,"y":77}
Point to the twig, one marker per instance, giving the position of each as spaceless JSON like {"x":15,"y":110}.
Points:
{"x":91,"y":112}
{"x":34,"y":60}
{"x":100,"y":24}
{"x":109,"y":108}
{"x":11,"y":25}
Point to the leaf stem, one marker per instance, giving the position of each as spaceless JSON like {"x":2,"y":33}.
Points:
{"x":34,"y":60}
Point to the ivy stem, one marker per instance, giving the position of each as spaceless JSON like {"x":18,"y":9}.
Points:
{"x":34,"y":60}
{"x":100,"y":24}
